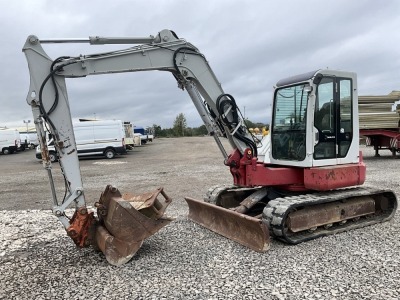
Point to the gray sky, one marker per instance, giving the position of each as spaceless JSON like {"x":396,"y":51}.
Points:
{"x":250,"y":45}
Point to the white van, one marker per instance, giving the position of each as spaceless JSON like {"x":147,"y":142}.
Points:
{"x":10,"y":141}
{"x":105,"y":137}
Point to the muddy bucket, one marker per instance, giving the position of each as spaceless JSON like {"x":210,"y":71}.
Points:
{"x":125,"y":221}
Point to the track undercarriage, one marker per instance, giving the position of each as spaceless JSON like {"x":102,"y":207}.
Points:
{"x":290,"y":217}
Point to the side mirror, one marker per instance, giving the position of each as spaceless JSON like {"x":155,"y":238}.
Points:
{"x":307,"y":88}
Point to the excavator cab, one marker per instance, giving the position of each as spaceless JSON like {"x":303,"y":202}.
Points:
{"x":313,"y":120}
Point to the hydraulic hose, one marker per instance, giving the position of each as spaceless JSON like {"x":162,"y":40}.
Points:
{"x":223,"y":101}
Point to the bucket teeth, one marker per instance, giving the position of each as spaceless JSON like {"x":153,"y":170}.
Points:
{"x":125,"y":221}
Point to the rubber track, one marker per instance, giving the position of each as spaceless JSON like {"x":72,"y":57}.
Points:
{"x":276,"y":211}
{"x":214,"y":193}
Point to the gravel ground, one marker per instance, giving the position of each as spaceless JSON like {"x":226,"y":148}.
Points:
{"x":183,"y":260}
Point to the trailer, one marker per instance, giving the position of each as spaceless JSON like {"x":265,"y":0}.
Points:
{"x":379,"y":118}
{"x":382,"y":139}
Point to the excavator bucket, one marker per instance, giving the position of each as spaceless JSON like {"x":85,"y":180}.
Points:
{"x":125,"y":221}
{"x":243,"y":229}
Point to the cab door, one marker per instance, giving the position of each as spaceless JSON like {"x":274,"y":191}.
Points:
{"x":333,"y":130}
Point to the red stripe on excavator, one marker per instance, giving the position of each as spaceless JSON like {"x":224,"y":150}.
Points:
{"x":260,"y":174}
{"x":334,"y":177}
{"x":252,"y":173}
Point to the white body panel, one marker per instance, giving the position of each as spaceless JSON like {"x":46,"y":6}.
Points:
{"x":10,"y":140}
{"x":24,"y":138}
{"x":264,"y":149}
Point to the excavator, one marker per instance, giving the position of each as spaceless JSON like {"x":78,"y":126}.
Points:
{"x":300,"y":182}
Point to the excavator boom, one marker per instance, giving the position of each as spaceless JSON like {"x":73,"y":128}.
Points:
{"x":122,"y":224}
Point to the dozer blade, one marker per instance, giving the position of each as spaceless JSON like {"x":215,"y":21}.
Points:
{"x":126,"y":221}
{"x":245,"y":230}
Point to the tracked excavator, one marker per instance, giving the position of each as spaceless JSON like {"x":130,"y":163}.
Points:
{"x":300,"y":182}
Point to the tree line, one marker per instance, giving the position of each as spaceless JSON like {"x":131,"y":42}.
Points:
{"x":180,"y":128}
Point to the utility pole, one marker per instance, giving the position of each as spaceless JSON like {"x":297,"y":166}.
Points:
{"x":27,"y":122}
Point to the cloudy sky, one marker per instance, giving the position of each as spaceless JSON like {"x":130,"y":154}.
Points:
{"x":250,"y":45}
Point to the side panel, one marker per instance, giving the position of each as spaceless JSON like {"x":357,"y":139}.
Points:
{"x":334,"y":177}
{"x":9,"y":139}
{"x":84,"y":136}
{"x":107,"y":133}
{"x":94,"y":137}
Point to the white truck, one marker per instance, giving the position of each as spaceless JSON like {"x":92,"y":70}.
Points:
{"x":144,"y":134}
{"x":10,"y":141}
{"x":25,"y":141}
{"x":28,"y":139}
{"x":103,"y":137}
